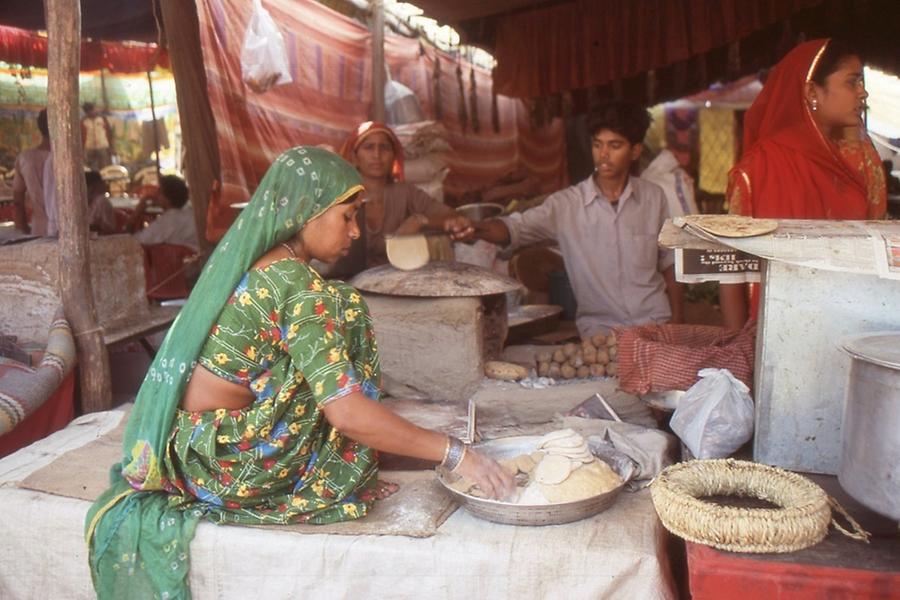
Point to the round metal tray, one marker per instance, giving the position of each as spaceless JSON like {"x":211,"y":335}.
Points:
{"x":527,"y":514}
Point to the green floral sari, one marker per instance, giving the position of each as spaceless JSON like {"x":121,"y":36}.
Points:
{"x":298,"y":342}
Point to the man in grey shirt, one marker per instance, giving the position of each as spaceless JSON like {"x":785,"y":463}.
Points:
{"x":606,"y":227}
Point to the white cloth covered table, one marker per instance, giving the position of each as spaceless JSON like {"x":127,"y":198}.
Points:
{"x":617,"y":554}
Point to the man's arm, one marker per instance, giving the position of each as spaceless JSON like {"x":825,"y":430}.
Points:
{"x":494,"y":231}
{"x":675,"y":291}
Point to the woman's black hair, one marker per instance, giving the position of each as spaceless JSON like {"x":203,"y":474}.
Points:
{"x":836,"y":51}
{"x":631,"y":121}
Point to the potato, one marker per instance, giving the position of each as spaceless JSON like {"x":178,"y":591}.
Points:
{"x":577,"y":360}
{"x":570,"y":349}
{"x":598,"y":370}
{"x":555,"y":371}
{"x":567,"y":371}
{"x":559,"y":356}
{"x":613,"y":352}
{"x":611,"y":339}
{"x":603,"y":356}
{"x":590,"y":356}
{"x":496,"y":369}
{"x":586,"y":345}
{"x":543,"y":369}
{"x":583,"y":371}
{"x":598,"y":339}
{"x":612,"y":369}
{"x":544,"y":356}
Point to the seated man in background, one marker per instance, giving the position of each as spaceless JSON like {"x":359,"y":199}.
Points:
{"x":606,"y":227}
{"x":176,"y":224}
{"x":101,"y":214}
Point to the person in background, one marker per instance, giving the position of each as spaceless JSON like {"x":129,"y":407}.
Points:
{"x":101,"y":215}
{"x":391,"y":206}
{"x":665,"y":172}
{"x":28,"y":183}
{"x":606,"y":227}
{"x":806,"y":151}
{"x":176,"y":224}
{"x":96,"y":135}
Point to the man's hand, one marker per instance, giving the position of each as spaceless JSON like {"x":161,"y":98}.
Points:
{"x":459,"y":227}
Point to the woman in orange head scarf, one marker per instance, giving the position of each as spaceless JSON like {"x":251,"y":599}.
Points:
{"x":391,"y":206}
{"x":806,"y":152}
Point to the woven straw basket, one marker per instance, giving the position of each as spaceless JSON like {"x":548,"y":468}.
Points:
{"x":800,"y":520}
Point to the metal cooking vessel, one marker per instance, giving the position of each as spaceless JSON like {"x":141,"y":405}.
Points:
{"x":436,"y":279}
{"x":480,"y":211}
{"x":870,"y":450}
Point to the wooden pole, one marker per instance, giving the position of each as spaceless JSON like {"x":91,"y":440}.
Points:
{"x":198,"y":127}
{"x":155,"y":129}
{"x":63,"y":65}
{"x":378,"y":72}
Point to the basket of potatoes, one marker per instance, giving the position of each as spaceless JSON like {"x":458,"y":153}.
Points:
{"x":596,"y":356}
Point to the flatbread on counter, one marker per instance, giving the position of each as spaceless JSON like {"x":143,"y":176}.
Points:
{"x":732,"y":226}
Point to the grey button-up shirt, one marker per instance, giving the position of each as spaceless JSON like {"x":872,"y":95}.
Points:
{"x":611,"y":254}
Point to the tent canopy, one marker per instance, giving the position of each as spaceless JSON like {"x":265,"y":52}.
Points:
{"x":100,"y":19}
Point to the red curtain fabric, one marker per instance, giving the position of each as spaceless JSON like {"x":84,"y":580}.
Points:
{"x":29,"y":48}
{"x":588,"y":43}
{"x":329,"y":59}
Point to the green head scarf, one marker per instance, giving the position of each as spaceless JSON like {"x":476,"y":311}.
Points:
{"x":132,"y":518}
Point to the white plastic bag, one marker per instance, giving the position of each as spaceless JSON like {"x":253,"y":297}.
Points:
{"x":264,"y":60}
{"x":715,"y":416}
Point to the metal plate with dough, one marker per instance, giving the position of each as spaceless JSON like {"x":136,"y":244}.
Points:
{"x":528,"y":514}
{"x":436,"y":279}
{"x":732,"y":226}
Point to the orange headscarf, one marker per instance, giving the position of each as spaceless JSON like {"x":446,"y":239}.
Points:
{"x":789,"y":169}
{"x":366,"y":129}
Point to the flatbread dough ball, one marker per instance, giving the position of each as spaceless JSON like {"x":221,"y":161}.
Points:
{"x":552,"y":470}
{"x":509,"y":466}
{"x":583,"y":371}
{"x":544,"y":356}
{"x":598,"y":339}
{"x":603,"y":357}
{"x":612,"y":369}
{"x":567,"y":371}
{"x":570,"y":349}
{"x":598,"y":370}
{"x":611,"y":339}
{"x":559,"y":356}
{"x":543,"y":369}
{"x":524,"y":463}
{"x":613,"y":352}
{"x":590,"y":355}
{"x":554,"y":371}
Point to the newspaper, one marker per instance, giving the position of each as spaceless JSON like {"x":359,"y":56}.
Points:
{"x":863,"y":247}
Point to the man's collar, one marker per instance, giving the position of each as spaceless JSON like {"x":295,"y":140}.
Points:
{"x":590,"y":191}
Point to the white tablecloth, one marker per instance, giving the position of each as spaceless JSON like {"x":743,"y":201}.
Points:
{"x":617,"y":554}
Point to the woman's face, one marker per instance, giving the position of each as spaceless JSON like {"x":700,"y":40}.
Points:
{"x":841,"y":102}
{"x":328,"y":237}
{"x":375,"y":156}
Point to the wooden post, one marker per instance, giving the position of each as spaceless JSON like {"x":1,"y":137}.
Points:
{"x":198,"y":126}
{"x":63,"y":65}
{"x":378,"y":79}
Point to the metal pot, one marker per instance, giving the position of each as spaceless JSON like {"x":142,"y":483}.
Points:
{"x":870,"y":450}
{"x":480,"y":211}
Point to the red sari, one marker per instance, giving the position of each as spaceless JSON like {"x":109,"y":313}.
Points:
{"x":789,"y":169}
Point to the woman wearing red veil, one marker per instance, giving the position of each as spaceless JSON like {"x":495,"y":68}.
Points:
{"x":806,"y":151}
{"x":391,"y":206}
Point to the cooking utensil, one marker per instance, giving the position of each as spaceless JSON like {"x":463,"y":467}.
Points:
{"x":870,"y":449}
{"x":527,"y":514}
{"x":479,"y":211}
{"x":436,"y":279}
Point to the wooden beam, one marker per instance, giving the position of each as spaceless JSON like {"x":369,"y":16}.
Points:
{"x":198,"y":126}
{"x":378,"y":71}
{"x":63,"y":65}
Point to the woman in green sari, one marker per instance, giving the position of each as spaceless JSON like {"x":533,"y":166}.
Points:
{"x":262,"y":403}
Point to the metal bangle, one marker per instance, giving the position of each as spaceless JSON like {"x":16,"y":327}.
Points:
{"x":456,"y":450}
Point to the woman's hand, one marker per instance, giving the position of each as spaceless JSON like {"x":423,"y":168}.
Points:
{"x":487,"y":474}
{"x":459,"y":227}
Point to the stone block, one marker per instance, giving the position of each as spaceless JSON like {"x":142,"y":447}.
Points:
{"x":433,"y":345}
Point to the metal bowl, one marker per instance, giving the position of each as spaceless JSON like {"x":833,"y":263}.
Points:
{"x":527,"y":514}
{"x":479,"y":211}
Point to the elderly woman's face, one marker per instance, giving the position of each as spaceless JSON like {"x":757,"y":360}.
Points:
{"x":375,"y":156}
{"x":328,"y":237}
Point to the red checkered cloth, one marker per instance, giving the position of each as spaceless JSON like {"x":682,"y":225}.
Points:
{"x":658,"y":358}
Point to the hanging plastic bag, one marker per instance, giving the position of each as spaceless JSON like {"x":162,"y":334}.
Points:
{"x":715,"y":416}
{"x":264,"y":60}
